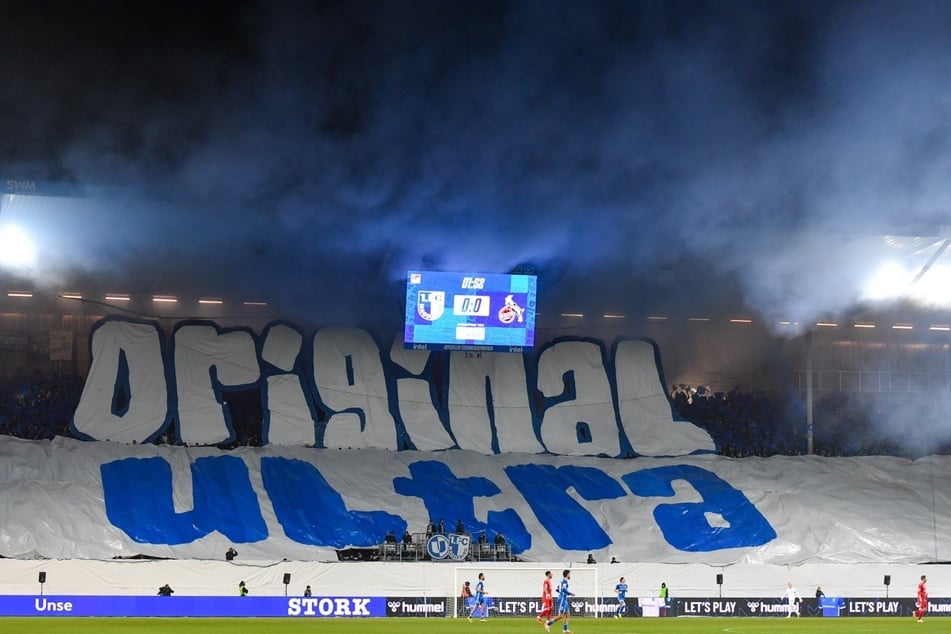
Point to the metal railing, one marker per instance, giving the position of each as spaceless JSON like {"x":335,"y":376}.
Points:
{"x":415,"y":550}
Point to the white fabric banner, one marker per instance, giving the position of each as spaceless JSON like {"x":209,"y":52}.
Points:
{"x":94,"y":500}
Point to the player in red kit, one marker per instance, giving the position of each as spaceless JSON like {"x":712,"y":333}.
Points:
{"x":922,"y":600}
{"x":546,"y":598}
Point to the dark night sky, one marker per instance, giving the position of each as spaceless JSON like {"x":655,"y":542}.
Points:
{"x":641,"y":155}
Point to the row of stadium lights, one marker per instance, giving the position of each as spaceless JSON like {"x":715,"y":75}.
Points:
{"x":170,"y":299}
{"x":745,"y":320}
{"x":123,"y":297}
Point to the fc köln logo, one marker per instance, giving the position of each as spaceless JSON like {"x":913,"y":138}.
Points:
{"x":511,"y":311}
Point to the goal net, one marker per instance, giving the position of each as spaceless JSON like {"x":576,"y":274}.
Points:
{"x":516,"y":590}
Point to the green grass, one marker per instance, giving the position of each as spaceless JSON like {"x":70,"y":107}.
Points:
{"x":699,"y":625}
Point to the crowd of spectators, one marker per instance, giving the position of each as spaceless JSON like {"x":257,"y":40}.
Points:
{"x":751,"y":423}
{"x":38,"y":406}
{"x":743,"y":423}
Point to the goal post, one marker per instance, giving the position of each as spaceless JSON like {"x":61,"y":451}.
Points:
{"x":516,"y":590}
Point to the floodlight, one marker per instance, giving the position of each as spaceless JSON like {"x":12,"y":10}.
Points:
{"x":16,"y":248}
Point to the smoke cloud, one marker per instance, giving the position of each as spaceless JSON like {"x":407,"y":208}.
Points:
{"x":641,"y":156}
{"x":312,"y":154}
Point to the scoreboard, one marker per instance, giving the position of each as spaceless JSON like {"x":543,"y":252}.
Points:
{"x":469,"y":311}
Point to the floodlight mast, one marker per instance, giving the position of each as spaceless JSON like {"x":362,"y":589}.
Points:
{"x":809,"y":420}
{"x":934,"y":258}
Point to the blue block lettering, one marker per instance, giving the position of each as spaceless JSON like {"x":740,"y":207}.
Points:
{"x":312,"y":512}
{"x":138,"y":497}
{"x":448,"y":497}
{"x":545,"y":488}
{"x":685,"y":524}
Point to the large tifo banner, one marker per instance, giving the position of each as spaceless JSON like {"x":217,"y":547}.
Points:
{"x":67,"y":498}
{"x":363,"y":443}
{"x":341,"y":389}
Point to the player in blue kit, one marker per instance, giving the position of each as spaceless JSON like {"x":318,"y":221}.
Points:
{"x":479,"y":599}
{"x":621,"y":590}
{"x":564,"y":604}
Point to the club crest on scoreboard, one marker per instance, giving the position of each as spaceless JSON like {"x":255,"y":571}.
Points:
{"x":430,"y":305}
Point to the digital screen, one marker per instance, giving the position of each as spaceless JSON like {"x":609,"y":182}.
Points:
{"x":469,"y":311}
{"x":188,"y":606}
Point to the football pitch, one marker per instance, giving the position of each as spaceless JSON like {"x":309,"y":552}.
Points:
{"x":698,"y":625}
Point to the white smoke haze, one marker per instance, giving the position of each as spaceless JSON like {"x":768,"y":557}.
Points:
{"x":732,"y":158}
